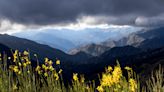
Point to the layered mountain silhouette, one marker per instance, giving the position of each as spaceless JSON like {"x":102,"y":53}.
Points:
{"x":48,"y":39}
{"x":142,"y":50}
{"x":41,"y":50}
{"x":144,"y":39}
{"x":67,"y":39}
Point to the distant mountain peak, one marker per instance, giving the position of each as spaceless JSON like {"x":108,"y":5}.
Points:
{"x":145,"y":39}
{"x":92,"y":49}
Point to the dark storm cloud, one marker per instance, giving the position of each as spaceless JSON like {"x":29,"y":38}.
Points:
{"x":62,"y":11}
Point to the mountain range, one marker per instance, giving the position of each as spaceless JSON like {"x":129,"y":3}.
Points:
{"x":142,"y":50}
{"x":144,"y":39}
{"x":16,"y":43}
{"x":67,"y":39}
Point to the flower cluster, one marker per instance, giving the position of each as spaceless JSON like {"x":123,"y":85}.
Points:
{"x":47,"y":69}
{"x":113,"y":79}
{"x":132,"y":82}
{"x":15,"y":69}
{"x":20,"y":61}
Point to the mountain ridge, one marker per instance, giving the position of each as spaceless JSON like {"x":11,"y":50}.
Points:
{"x":41,"y":50}
{"x":144,"y":39}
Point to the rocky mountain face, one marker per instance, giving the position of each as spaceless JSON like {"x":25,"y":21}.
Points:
{"x":91,"y":49}
{"x":109,"y":43}
{"x":144,"y":39}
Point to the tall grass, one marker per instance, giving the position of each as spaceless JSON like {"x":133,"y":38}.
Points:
{"x":18,"y":75}
{"x":156,"y":81}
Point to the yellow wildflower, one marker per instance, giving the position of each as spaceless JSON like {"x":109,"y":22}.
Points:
{"x":28,"y":62}
{"x":15,"y":69}
{"x":107,"y":80}
{"x":58,"y":62}
{"x":46,"y":60}
{"x":51,"y":68}
{"x":26,"y":58}
{"x":24,"y":64}
{"x":130,"y":71}
{"x":43,"y":66}
{"x":117,"y":74}
{"x":19,"y":63}
{"x":45,"y":74}
{"x":26,"y":53}
{"x":46,"y":68}
{"x":19,"y":72}
{"x":60,"y":71}
{"x":50,"y":62}
{"x":56,"y":76}
{"x":37,"y":68}
{"x":15,"y":55}
{"x":75,"y":77}
{"x":109,"y":69}
{"x":100,"y":89}
{"x":132,"y":85}
{"x":128,"y":68}
{"x":39,"y":72}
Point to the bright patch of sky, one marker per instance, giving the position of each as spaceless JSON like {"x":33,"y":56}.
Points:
{"x":82,"y":23}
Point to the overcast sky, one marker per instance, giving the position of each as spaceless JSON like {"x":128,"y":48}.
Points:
{"x":23,"y":14}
